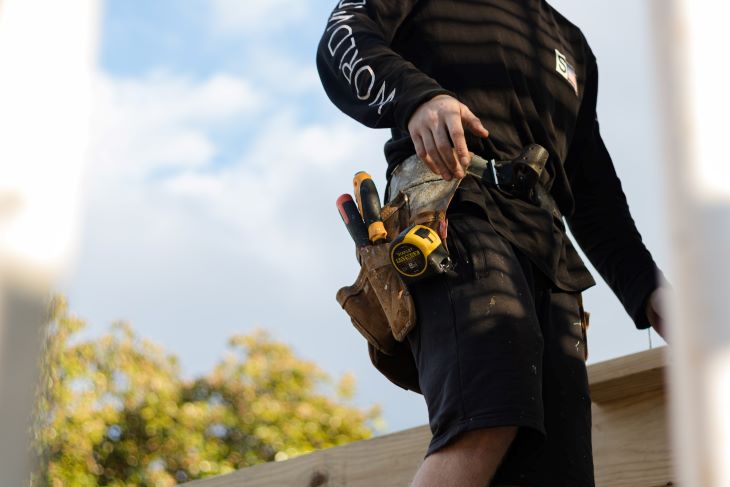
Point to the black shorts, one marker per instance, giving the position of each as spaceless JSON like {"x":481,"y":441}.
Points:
{"x":497,"y":345}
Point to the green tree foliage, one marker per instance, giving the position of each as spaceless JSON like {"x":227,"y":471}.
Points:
{"x":115,"y":411}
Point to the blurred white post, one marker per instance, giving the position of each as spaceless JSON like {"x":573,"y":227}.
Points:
{"x":693,"y":37}
{"x":47,"y":53}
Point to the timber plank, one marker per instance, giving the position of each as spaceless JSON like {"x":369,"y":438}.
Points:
{"x":386,"y":461}
{"x":631,"y":442}
{"x":627,"y":376}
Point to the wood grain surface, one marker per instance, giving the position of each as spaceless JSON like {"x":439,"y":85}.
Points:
{"x":631,"y":443}
{"x":627,"y":376}
{"x":385,"y":461}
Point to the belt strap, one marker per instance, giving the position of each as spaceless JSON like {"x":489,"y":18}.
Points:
{"x":487,"y":171}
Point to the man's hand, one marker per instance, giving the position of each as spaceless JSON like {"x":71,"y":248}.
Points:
{"x":435,"y":125}
{"x":655,"y":306}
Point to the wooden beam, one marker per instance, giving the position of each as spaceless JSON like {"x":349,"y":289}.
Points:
{"x":627,"y":376}
{"x":631,"y":442}
{"x":386,"y":461}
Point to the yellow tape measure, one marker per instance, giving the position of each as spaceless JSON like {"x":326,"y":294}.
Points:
{"x":418,"y":253}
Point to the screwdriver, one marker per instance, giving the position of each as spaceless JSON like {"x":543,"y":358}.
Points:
{"x":351,"y":217}
{"x":366,"y":194}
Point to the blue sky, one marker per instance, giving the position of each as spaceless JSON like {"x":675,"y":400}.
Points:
{"x":217,"y":158}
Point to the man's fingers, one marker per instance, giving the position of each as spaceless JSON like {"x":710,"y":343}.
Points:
{"x":420,"y":149}
{"x":433,"y":157}
{"x":472,"y":122}
{"x":437,"y":130}
{"x":446,"y":151}
{"x":456,"y":132}
{"x":423,"y":155}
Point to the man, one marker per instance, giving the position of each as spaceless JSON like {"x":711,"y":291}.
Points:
{"x":500,"y":346}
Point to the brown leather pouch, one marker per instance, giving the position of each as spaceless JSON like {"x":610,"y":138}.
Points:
{"x":378,"y":303}
{"x":361,"y":304}
{"x":380,"y":306}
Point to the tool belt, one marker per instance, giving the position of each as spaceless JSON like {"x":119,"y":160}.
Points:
{"x":379,"y":304}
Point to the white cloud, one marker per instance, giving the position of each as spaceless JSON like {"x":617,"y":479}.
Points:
{"x":257,"y":16}
{"x":282,"y":73}
{"x":156,"y":144}
{"x":272,"y":189}
{"x":163,"y":120}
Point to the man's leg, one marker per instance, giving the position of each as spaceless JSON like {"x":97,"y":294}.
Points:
{"x":478,"y":349}
{"x":469,"y":461}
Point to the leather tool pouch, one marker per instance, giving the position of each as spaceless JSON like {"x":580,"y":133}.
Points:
{"x":378,"y":303}
{"x":381,"y":308}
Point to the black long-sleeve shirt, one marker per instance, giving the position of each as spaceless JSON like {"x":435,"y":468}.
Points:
{"x":530,"y":76}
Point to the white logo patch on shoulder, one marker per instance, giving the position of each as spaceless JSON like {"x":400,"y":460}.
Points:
{"x":566,"y":70}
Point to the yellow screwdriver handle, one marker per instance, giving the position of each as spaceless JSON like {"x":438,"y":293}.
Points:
{"x":368,"y":201}
{"x":356,"y":183}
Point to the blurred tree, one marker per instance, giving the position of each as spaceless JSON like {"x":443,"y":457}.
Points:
{"x":115,"y":411}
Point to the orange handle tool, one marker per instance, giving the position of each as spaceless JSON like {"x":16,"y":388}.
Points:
{"x":368,"y":200}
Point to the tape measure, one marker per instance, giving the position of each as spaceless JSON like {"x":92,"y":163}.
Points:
{"x":418,"y":253}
